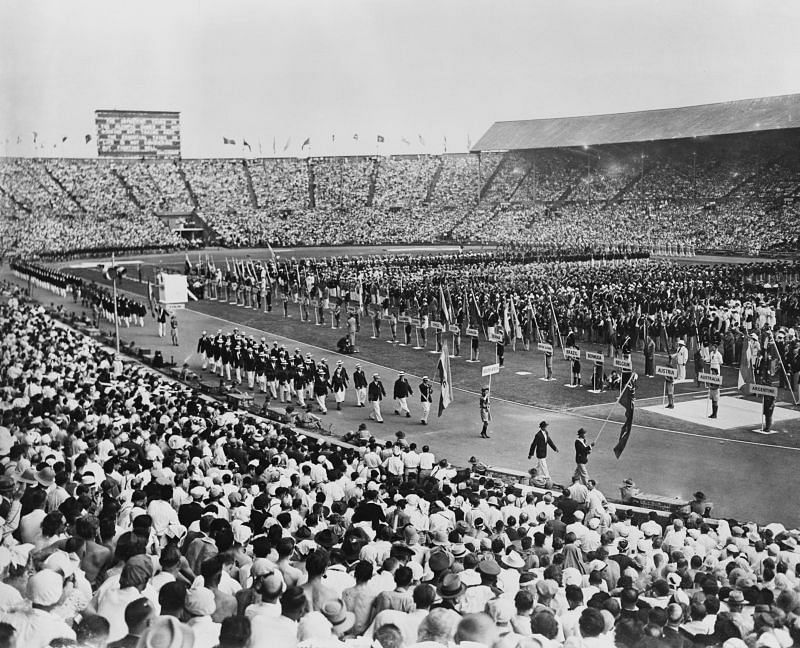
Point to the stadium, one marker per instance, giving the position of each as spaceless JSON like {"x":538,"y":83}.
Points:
{"x":543,"y":391}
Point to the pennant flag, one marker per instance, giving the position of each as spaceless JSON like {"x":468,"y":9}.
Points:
{"x":35,"y":136}
{"x":626,"y":399}
{"x":88,"y":138}
{"x":444,"y":139}
{"x":380,"y":139}
{"x":746,"y":375}
{"x":405,"y":141}
{"x":421,"y":141}
{"x":288,"y":141}
{"x":64,"y":139}
{"x":333,"y":138}
{"x":226,"y":140}
{"x":19,"y":140}
{"x":445,"y":378}
{"x":244,"y":143}
{"x":272,"y":252}
{"x":307,"y":142}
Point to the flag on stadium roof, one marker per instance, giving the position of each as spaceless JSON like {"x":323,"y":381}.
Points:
{"x":421,"y":141}
{"x":307,"y":142}
{"x":405,"y":141}
{"x":35,"y":136}
{"x":380,"y":139}
{"x":88,"y":138}
{"x":64,"y":139}
{"x":355,"y":136}
{"x":226,"y":140}
{"x":286,"y":146}
{"x":244,"y":143}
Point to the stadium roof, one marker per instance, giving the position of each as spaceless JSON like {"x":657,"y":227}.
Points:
{"x":745,"y":116}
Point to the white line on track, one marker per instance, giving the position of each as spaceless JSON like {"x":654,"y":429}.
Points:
{"x":538,"y":408}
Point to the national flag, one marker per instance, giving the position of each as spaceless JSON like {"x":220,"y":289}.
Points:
{"x":88,"y":138}
{"x":112,"y":272}
{"x":286,"y":146}
{"x":187,"y":264}
{"x":244,"y":143}
{"x":272,"y":252}
{"x":626,"y":399}
{"x":421,"y":140}
{"x":444,"y":139}
{"x":35,"y":136}
{"x":151,"y":298}
{"x":445,"y":309}
{"x":355,"y":136}
{"x":445,"y":378}
{"x":333,"y":138}
{"x":405,"y":141}
{"x":380,"y":139}
{"x":227,"y":140}
{"x":746,"y":375}
{"x":64,"y":139}
{"x":273,"y":145}
{"x":19,"y":140}
{"x":506,"y":320}
{"x":307,"y":142}
{"x":515,"y":321}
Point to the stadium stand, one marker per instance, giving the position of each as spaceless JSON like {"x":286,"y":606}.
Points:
{"x":137,"y":510}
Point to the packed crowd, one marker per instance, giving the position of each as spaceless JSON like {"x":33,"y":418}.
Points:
{"x":138,"y":513}
{"x":736,"y":193}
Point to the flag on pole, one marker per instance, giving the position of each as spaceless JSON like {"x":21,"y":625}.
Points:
{"x":307,"y":142}
{"x":272,"y":252}
{"x":88,"y":138}
{"x":64,"y":139}
{"x":273,"y":145}
{"x":187,"y":264}
{"x":244,"y":143}
{"x":626,"y":399}
{"x":445,"y":309}
{"x":151,"y":298}
{"x":445,"y":378}
{"x":355,"y":136}
{"x":380,"y":139}
{"x":746,"y":376}
{"x":405,"y":141}
{"x":286,"y":146}
{"x":515,"y":320}
{"x":35,"y":136}
{"x":227,"y":140}
{"x":421,"y":140}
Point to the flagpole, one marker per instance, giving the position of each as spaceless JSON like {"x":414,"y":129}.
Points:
{"x":612,"y":408}
{"x":114,"y":284}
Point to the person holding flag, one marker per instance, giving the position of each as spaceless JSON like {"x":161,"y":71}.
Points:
{"x":426,"y":398}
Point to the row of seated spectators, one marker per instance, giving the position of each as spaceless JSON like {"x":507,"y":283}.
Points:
{"x":138,"y":513}
{"x":731,"y":193}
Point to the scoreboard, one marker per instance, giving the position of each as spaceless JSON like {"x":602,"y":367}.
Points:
{"x":138,"y":133}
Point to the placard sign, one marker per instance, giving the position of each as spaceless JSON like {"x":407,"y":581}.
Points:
{"x":352,"y":310}
{"x":472,"y":332}
{"x":496,"y":337}
{"x":667,"y":372}
{"x":764,"y":390}
{"x":436,"y":326}
{"x":314,"y":303}
{"x":404,"y":319}
{"x":490,"y":370}
{"x":572,"y":353}
{"x":415,"y":321}
{"x":453,"y":328}
{"x":625,"y":365}
{"x":544,"y":347}
{"x":592,"y":355}
{"x":370,"y":312}
{"x":711,"y":379}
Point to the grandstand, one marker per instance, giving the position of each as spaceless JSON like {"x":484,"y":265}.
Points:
{"x":727,"y":176}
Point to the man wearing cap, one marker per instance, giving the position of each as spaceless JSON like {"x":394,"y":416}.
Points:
{"x":682,"y":357}
{"x":360,"y":385}
{"x":582,"y":450}
{"x":541,"y":441}
{"x":426,"y":398}
{"x":339,"y":382}
{"x":402,"y":390}
{"x":375,"y":393}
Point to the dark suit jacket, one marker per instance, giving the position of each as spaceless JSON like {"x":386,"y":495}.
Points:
{"x":539,"y":446}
